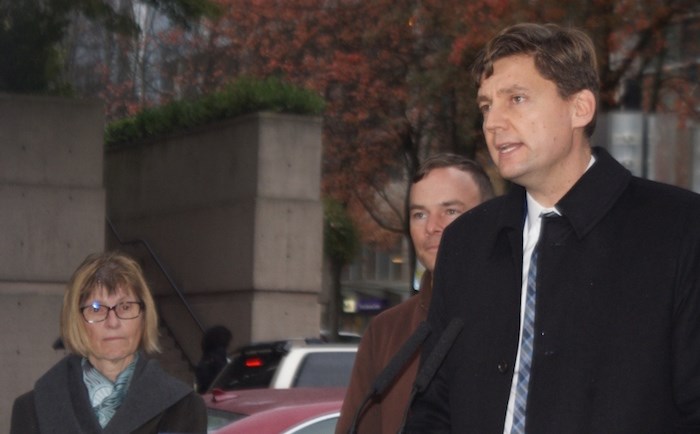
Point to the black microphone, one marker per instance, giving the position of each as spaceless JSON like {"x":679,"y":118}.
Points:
{"x":392,"y":370}
{"x":433,"y":362}
{"x":437,"y":355}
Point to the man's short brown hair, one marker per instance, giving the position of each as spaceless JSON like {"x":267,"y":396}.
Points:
{"x":563,"y":55}
{"x":442,"y":160}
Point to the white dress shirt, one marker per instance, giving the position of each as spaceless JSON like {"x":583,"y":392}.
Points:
{"x":531,"y":233}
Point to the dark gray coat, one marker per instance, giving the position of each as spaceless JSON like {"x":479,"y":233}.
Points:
{"x":155,"y":403}
{"x":617,"y":347}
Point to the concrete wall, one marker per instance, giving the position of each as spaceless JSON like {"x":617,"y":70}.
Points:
{"x":52,"y":215}
{"x":234,"y":211}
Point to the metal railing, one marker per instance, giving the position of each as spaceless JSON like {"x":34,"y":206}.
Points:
{"x":171,"y":283}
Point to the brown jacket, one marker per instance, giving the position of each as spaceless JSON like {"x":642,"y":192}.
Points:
{"x":380,"y":341}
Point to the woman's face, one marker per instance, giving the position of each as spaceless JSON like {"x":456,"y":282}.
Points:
{"x":114,"y":341}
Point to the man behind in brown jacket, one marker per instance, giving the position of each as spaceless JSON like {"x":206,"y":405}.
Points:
{"x":445,"y":186}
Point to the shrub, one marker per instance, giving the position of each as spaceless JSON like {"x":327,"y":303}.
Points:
{"x":241,"y":97}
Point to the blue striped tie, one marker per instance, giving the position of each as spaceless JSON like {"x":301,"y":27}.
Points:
{"x":526,"y":345}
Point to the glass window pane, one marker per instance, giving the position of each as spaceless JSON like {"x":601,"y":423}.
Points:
{"x":330,"y":369}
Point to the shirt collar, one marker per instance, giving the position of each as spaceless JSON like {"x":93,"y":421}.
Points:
{"x":535,"y":210}
{"x":595,"y":193}
{"x":584,"y":204}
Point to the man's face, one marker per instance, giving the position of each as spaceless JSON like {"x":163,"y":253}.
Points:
{"x":435,"y":201}
{"x":528,"y":126}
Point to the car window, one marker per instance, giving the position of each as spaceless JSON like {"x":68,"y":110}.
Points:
{"x":247,"y":371}
{"x":321,"y":425}
{"x":326,"y":369}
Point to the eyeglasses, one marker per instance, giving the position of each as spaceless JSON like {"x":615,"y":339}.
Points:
{"x":96,"y":312}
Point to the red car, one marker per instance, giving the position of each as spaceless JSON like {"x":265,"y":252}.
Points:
{"x":274,"y":411}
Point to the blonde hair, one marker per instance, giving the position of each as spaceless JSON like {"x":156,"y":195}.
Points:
{"x":112,"y":271}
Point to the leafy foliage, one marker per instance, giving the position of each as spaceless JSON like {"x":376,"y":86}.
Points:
{"x":340,"y":236}
{"x":394,"y":74}
{"x":28,"y":35}
{"x":341,"y":244}
{"x":181,"y":12}
{"x":32,"y":31}
{"x":244,"y":96}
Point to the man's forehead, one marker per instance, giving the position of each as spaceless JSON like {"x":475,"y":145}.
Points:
{"x":442,"y":203}
{"x":448,"y":186}
{"x":516,"y":66}
{"x":505,"y":91}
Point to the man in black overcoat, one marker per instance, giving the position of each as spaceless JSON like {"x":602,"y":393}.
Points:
{"x":599,"y":331}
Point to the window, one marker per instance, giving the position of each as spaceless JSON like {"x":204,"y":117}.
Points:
{"x":326,"y":369}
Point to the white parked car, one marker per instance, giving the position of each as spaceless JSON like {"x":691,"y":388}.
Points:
{"x":287,"y":364}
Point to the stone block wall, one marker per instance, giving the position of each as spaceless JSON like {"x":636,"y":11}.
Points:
{"x":234,"y":211}
{"x":52,"y":216}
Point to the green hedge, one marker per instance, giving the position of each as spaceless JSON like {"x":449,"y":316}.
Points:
{"x":244,"y":96}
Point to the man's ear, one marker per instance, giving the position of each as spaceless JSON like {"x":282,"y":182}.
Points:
{"x":584,"y":107}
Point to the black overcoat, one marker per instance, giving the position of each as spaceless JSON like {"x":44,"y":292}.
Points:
{"x":155,"y":403}
{"x":617,"y":344}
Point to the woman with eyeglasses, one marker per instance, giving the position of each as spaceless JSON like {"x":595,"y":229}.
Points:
{"x":107,"y":384}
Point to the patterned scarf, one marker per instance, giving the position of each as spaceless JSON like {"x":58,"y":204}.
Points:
{"x":105,"y":396}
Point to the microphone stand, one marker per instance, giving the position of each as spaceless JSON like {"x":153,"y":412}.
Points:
{"x":432,"y":363}
{"x":391,"y":371}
